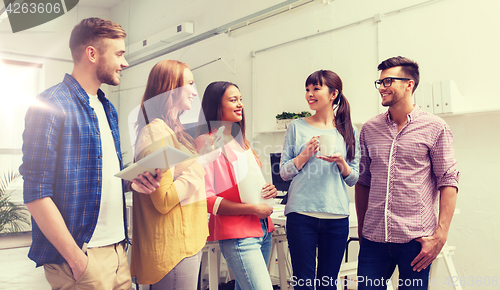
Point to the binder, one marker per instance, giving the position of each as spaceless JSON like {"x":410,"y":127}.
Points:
{"x":437,"y":98}
{"x":427,"y":93}
{"x":453,"y":101}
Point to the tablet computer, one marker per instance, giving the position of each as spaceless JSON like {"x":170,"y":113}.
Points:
{"x":163,"y":158}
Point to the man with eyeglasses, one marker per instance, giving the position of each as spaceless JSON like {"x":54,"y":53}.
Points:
{"x":408,"y":184}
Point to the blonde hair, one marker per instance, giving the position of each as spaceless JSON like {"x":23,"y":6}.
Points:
{"x":91,"y":32}
{"x":164,"y":78}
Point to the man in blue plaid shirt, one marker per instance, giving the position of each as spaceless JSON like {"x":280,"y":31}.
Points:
{"x":69,"y":162}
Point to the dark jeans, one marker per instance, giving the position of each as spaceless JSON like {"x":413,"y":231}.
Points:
{"x":377,"y":261}
{"x":305,"y":234}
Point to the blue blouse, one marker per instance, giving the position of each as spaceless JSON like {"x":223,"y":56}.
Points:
{"x":318,"y":186}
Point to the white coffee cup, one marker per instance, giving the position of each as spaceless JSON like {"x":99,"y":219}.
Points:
{"x":327,"y":144}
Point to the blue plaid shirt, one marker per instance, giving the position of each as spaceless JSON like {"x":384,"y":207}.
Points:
{"x":62,"y":159}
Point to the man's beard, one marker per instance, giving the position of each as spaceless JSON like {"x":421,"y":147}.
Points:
{"x":105,"y":75}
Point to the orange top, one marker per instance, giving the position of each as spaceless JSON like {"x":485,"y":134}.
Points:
{"x":220,"y":181}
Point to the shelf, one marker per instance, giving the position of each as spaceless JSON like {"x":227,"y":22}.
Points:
{"x":358,"y":125}
{"x":456,"y":114}
{"x":467,"y":113}
{"x":443,"y":115}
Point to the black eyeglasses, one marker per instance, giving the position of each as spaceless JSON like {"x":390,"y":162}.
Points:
{"x":388,"y":81}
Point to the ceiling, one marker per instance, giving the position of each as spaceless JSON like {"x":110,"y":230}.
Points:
{"x":99,"y":3}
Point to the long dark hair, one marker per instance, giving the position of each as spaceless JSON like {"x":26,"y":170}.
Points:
{"x":211,"y":113}
{"x":160,"y":97}
{"x":340,"y":105}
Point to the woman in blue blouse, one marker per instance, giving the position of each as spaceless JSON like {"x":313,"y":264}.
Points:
{"x":318,"y":205}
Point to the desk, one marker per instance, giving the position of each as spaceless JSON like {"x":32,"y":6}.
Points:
{"x":211,"y":257}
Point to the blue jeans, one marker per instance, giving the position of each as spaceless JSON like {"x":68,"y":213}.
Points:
{"x":377,"y":261}
{"x":248,"y":259}
{"x":305,"y":234}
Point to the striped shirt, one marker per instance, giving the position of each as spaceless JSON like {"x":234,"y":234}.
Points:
{"x":62,"y":159}
{"x":404,"y":171}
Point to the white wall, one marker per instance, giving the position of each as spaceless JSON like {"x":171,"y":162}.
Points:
{"x":47,"y":44}
{"x":475,"y":231}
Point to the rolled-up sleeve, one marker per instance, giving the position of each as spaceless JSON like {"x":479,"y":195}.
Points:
{"x":442,"y":155}
{"x":41,"y":138}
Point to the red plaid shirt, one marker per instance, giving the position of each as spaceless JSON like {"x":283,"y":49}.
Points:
{"x":404,"y":171}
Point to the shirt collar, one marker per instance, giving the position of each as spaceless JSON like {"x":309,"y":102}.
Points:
{"x":417,"y":111}
{"x":82,"y":94}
